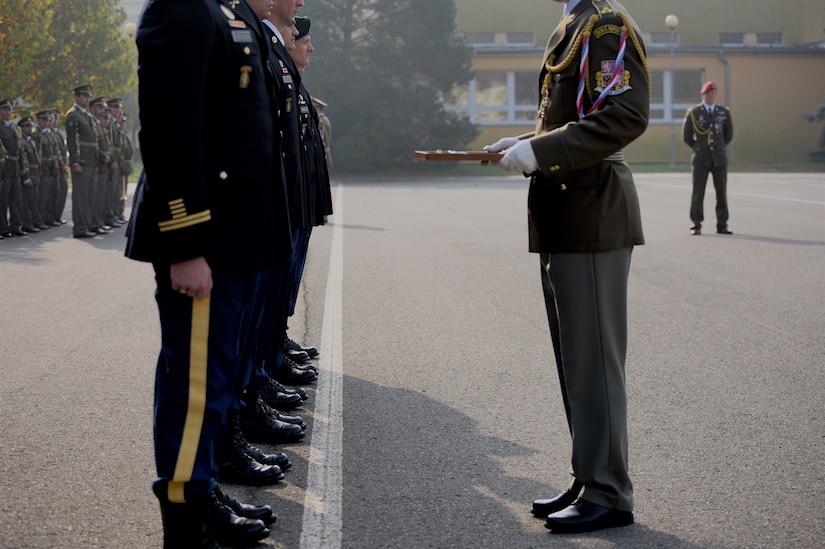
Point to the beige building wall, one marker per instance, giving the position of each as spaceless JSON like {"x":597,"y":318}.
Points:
{"x":768,"y":89}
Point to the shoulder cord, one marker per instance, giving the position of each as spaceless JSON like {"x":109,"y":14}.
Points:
{"x":583,"y":42}
{"x":696,"y":129}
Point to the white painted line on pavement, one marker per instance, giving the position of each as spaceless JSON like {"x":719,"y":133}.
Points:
{"x":322,"y":521}
{"x":735,"y":193}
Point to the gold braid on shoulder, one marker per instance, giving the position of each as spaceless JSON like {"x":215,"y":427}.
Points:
{"x":553,"y":69}
{"x":696,"y":129}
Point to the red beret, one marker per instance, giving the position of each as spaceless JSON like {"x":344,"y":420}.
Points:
{"x":709,"y":86}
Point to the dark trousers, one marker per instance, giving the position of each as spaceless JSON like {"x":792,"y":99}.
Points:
{"x":299,"y":258}
{"x":200,"y":374}
{"x":586,"y":299}
{"x":11,"y":202}
{"x":697,"y":200}
{"x":82,"y":189}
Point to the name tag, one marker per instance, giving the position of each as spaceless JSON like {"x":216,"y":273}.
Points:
{"x":241,"y":36}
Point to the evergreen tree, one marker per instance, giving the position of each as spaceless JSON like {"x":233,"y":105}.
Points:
{"x":384,"y":66}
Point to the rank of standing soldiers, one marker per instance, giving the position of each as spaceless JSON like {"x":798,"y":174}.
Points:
{"x":37,"y":162}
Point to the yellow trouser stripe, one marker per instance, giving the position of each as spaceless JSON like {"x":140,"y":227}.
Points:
{"x":198,"y":354}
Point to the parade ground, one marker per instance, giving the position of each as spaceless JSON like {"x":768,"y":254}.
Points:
{"x":437,"y":416}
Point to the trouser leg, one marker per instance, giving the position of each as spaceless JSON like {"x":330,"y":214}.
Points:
{"x":720,"y":185}
{"x":590,"y":295}
{"x":697,"y":198}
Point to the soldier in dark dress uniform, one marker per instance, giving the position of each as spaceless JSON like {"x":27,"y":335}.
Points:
{"x":584,"y":220}
{"x":707,"y":130}
{"x":16,"y":167}
{"x":100,"y":190}
{"x":210,"y":214}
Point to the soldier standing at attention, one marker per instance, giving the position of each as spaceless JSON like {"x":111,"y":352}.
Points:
{"x":62,"y":192}
{"x":81,"y":140}
{"x":31,"y":180}
{"x":123,"y":153}
{"x":103,"y":169}
{"x":191,"y":198}
{"x":584,"y":220}
{"x":47,"y":144}
{"x":707,"y":130}
{"x":16,"y":167}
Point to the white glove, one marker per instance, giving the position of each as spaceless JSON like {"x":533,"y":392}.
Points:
{"x":520,"y":158}
{"x":501,"y":144}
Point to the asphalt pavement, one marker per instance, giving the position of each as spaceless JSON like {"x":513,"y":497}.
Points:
{"x":437,"y":417}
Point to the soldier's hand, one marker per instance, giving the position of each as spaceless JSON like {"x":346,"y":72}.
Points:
{"x":77,"y":168}
{"x":501,"y":144}
{"x":192,"y":278}
{"x":114,"y":166}
{"x":520,"y":158}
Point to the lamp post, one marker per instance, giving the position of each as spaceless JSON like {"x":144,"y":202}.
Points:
{"x":672,"y":22}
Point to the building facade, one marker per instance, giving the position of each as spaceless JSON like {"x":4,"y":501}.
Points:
{"x":767,"y":58}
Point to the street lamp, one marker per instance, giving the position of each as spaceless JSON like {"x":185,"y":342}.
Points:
{"x":672,"y":22}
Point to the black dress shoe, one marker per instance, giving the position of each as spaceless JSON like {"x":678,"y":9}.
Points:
{"x":584,"y":516}
{"x":257,"y":512}
{"x":278,"y":400}
{"x":289,"y":390}
{"x":696,"y":230}
{"x":19,"y":232}
{"x":7,"y":234}
{"x":723,"y":230}
{"x":312,"y":352}
{"x":280,"y":459}
{"x":44,"y":227}
{"x":238,"y":443}
{"x":296,"y":356}
{"x":242,"y":469}
{"x":230,"y":529}
{"x":258,"y":425}
{"x":30,"y":229}
{"x":100,"y":230}
{"x":294,"y":376}
{"x":544,"y":507}
{"x":55,"y":223}
{"x":85,"y":234}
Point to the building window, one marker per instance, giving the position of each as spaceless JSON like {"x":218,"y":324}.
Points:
{"x":520,"y":39}
{"x":662,"y":38}
{"x":481,"y":38}
{"x":732,"y":39}
{"x":767,"y":39}
{"x":674,"y":94}
{"x":496,"y":98}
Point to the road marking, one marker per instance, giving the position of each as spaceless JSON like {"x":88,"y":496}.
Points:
{"x":322,"y":521}
{"x":736,"y":193}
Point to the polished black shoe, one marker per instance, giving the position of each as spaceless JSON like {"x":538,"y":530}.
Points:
{"x":544,"y":507}
{"x":54,"y":223}
{"x":238,"y":441}
{"x":584,"y":516}
{"x":85,"y":234}
{"x":723,"y":230}
{"x":258,"y":425}
{"x":44,"y":227}
{"x":30,"y":229}
{"x":256,"y":512}
{"x":7,"y":234}
{"x":187,"y":525}
{"x":312,"y":352}
{"x":280,"y":459}
{"x":289,"y":390}
{"x":696,"y":230}
{"x":240,"y":468}
{"x":294,"y":376}
{"x":230,"y":529}
{"x":278,"y":400}
{"x":19,"y":232}
{"x":296,"y":356}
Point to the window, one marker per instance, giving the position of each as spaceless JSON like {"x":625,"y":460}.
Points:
{"x":663,"y":38}
{"x":498,"y":98}
{"x":767,"y":39}
{"x":732,"y":38}
{"x":674,"y":94}
{"x":520,"y":39}
{"x":481,"y":38}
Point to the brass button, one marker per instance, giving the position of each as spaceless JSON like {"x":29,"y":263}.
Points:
{"x":555,"y":168}
{"x":246,"y":50}
{"x":223,"y":175}
{"x":563,"y":187}
{"x":557,"y":77}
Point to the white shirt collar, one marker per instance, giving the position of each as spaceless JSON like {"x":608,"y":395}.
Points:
{"x":272,"y":26}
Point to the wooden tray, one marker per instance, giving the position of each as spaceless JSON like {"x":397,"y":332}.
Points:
{"x":458,"y":156}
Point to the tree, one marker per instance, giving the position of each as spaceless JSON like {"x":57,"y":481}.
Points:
{"x":50,"y":46}
{"x":384,"y":66}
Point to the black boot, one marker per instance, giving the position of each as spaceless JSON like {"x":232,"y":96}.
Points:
{"x":234,"y":531}
{"x":185,"y":526}
{"x":278,"y":399}
{"x":238,"y":467}
{"x":258,"y":424}
{"x":280,"y":459}
{"x":256,"y":512}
